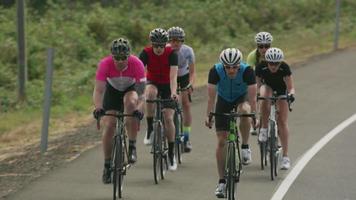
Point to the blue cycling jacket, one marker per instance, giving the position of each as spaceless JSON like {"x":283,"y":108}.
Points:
{"x":231,"y":89}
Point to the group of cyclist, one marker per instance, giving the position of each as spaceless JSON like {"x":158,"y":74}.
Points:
{"x":236,"y":85}
{"x":124,"y":82}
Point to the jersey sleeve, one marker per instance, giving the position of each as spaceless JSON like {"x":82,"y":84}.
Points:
{"x":191,"y":56}
{"x":143,"y":57}
{"x":213,"y":76}
{"x":251,"y":59}
{"x":101,"y":72}
{"x":249,"y":76}
{"x":173,"y":59}
{"x":287,"y":70}
{"x":140,"y":72}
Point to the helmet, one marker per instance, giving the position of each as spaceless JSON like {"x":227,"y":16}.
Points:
{"x":263,"y":38}
{"x":176,"y":32}
{"x":120,"y":46}
{"x":230,"y":56}
{"x":159,"y":35}
{"x":274,"y":55}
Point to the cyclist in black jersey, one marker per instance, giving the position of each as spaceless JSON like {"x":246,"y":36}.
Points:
{"x":275,"y":76}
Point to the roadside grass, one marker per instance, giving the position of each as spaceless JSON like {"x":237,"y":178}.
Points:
{"x":24,"y":127}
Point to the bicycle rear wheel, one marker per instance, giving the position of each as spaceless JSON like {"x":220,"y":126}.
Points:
{"x":118,"y":169}
{"x":156,"y":150}
{"x":231,"y":172}
{"x":263,"y":154}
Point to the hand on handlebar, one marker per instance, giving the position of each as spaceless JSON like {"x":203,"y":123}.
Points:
{"x":209,"y":121}
{"x":98,"y":112}
{"x":138,"y":114}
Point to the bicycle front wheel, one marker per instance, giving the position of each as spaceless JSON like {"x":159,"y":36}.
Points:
{"x":231,"y":172}
{"x":273,"y":150}
{"x":178,"y":150}
{"x":118,"y":168}
{"x":157,"y":149}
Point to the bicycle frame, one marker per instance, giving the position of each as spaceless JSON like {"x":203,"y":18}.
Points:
{"x":119,"y":152}
{"x":233,"y":166}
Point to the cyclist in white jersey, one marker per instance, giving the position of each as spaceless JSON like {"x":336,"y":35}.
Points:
{"x":186,"y":77}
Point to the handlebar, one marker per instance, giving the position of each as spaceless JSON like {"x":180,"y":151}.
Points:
{"x":117,"y":115}
{"x":275,"y":98}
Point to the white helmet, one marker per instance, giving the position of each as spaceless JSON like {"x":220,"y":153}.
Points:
{"x":263,"y":38}
{"x":274,"y":55}
{"x":230,"y":56}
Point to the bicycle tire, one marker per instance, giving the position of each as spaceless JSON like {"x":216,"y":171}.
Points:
{"x":164,"y":155}
{"x":272,"y":154}
{"x":178,"y":143}
{"x":231,"y":172}
{"x":263,"y":155}
{"x":156,"y":150}
{"x":118,"y":176}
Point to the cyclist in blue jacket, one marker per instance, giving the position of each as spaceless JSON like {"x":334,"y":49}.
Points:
{"x":234,"y":83}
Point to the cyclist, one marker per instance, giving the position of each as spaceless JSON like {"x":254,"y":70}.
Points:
{"x":119,"y":86}
{"x":186,"y":77}
{"x":274,"y":75}
{"x":235,"y":85}
{"x":263,"y":41}
{"x":161,"y":64}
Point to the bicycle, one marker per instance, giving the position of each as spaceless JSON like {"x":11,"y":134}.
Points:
{"x":271,"y":146}
{"x":119,"y":154}
{"x":159,"y":146}
{"x":233,"y":167}
{"x":178,"y":123}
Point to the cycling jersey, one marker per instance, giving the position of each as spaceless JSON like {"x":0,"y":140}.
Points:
{"x":231,"y":89}
{"x":158,"y":66}
{"x":185,"y":58}
{"x":121,"y":79}
{"x":274,"y":80}
{"x":252,"y":59}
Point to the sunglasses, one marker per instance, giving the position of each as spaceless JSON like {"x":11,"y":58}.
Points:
{"x":274,"y":63}
{"x":176,"y":40}
{"x":266,"y":46}
{"x":159,"y":45}
{"x":232,"y":66}
{"x":120,"y":57}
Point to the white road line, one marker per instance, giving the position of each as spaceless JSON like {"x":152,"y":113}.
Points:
{"x":288,"y":181}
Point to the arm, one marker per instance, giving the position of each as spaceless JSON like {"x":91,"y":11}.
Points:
{"x":192,"y":74}
{"x":290,"y":84}
{"x":99,"y":90}
{"x":211,"y":98}
{"x":252,"y":92}
{"x":259,"y":83}
{"x":173,"y":80}
{"x":140,"y":88}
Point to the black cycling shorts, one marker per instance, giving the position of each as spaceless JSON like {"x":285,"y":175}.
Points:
{"x":114,"y":99}
{"x":222,"y":106}
{"x":164,"y":91}
{"x":183,"y":81}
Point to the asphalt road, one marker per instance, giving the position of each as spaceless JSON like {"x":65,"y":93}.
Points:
{"x":325,"y":92}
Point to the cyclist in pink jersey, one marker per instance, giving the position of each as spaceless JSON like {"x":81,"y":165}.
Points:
{"x":161,"y":64}
{"x":119,"y":86}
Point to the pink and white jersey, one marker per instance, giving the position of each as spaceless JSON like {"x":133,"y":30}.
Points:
{"x":121,"y":80}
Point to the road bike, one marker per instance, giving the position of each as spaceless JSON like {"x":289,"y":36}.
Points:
{"x":270,"y":150}
{"x":159,"y":146}
{"x":119,"y":154}
{"x":233,"y":164}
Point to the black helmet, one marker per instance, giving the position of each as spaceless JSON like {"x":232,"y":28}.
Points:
{"x":176,"y":32}
{"x":159,"y":35}
{"x":120,"y":46}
